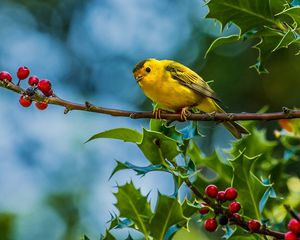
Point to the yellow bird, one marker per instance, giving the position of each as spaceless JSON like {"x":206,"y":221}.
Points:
{"x":175,"y":87}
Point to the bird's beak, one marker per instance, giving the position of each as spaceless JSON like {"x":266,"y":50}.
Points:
{"x":138,"y":78}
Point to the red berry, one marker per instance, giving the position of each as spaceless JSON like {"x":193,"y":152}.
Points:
{"x":221,"y":196}
{"x":23,"y":72}
{"x":24,"y":101}
{"x":234,"y":207}
{"x":253,"y":225}
{"x":44,"y":85}
{"x":230,"y":193}
{"x":211,"y":191}
{"x":204,"y":210}
{"x":294,"y":226}
{"x":33,"y":80}
{"x":290,"y":236}
{"x":48,"y":94}
{"x":41,"y":105}
{"x":210,"y":224}
{"x":5,"y":76}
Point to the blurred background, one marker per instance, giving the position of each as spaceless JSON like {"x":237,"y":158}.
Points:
{"x":52,"y":185}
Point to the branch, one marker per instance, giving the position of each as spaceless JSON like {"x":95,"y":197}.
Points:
{"x":285,"y":114}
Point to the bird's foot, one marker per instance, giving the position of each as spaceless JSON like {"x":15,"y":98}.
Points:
{"x":212,"y":115}
{"x":185,"y":113}
{"x":157,"y":113}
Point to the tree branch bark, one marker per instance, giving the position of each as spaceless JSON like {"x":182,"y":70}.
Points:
{"x":286,"y":113}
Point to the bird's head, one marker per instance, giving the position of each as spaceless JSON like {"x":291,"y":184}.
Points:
{"x":144,"y":68}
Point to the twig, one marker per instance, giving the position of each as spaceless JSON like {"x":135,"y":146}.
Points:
{"x":69,"y":106}
{"x":292,"y":212}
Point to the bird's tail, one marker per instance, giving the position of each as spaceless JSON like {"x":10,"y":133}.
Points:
{"x":209,"y":105}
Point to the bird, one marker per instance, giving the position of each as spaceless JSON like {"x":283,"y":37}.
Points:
{"x":176,"y":88}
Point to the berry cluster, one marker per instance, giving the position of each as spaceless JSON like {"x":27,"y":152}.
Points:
{"x":294,"y":230}
{"x":44,"y":86}
{"x":225,"y":200}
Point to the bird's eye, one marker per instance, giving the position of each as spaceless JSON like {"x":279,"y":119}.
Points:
{"x":148,"y":69}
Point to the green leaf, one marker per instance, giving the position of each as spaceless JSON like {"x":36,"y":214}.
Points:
{"x":214,"y":162}
{"x":157,"y":147}
{"x":221,"y":41}
{"x":125,"y":134}
{"x":169,"y":131}
{"x":168,"y":212}
{"x":129,"y":237}
{"x":108,"y":236}
{"x":85,"y":237}
{"x":189,"y":209}
{"x":246,"y":14}
{"x":270,"y":41}
{"x":171,"y":232}
{"x":7,"y":225}
{"x":228,"y":232}
{"x":139,"y":170}
{"x":118,"y":223}
{"x":294,"y":13}
{"x":250,"y":188}
{"x":133,"y":205}
{"x":287,"y":39}
{"x":254,"y":144}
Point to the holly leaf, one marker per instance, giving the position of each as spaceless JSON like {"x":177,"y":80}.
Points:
{"x":214,"y":162}
{"x":133,"y":205}
{"x":250,"y":188}
{"x":269,"y":193}
{"x":125,"y":134}
{"x":168,"y":212}
{"x":157,"y":147}
{"x":254,"y":144}
{"x":189,"y":209}
{"x":246,"y":14}
{"x":139,"y":170}
{"x":129,"y":237}
{"x":107,"y":236}
{"x":271,"y":40}
{"x":169,"y":131}
{"x":293,"y":13}
{"x":221,"y":41}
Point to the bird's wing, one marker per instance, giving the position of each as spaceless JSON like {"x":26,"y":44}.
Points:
{"x":190,"y":79}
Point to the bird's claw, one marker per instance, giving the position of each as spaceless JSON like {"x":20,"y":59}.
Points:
{"x":157,"y":113}
{"x":185,"y":113}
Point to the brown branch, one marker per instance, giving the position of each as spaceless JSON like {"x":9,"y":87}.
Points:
{"x":285,"y":114}
{"x":292,"y":212}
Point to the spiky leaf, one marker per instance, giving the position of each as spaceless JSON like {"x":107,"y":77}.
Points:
{"x":157,"y":147}
{"x":168,"y":212}
{"x":221,"y":41}
{"x":246,"y":14}
{"x":250,"y":188}
{"x":133,"y":205}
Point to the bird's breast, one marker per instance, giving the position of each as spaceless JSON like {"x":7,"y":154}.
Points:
{"x":169,"y":93}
